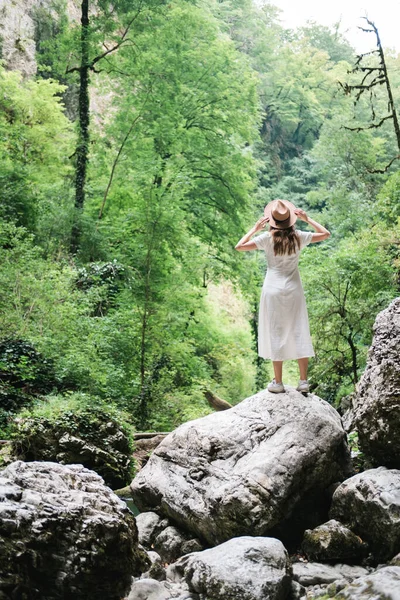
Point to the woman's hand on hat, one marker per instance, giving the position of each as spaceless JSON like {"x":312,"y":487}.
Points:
{"x":301,"y":214}
{"x":261,"y":223}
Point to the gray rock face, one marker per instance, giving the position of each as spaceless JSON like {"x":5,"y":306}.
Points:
{"x":377,"y":414}
{"x":332,"y":541}
{"x":149,"y":525}
{"x":17,"y":31}
{"x":383,"y":584}
{"x":148,"y":589}
{"x":247,"y":568}
{"x":313,"y":573}
{"x":369,"y":504}
{"x":64,"y":535}
{"x":242,"y":471}
{"x":169,"y":544}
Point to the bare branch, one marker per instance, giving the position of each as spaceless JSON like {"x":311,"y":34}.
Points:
{"x":372,"y":126}
{"x":385,"y":169}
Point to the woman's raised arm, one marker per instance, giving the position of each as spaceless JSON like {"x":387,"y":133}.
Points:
{"x":321,"y":232}
{"x":244,"y":244}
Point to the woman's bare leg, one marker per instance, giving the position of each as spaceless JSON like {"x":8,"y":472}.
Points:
{"x":278,"y":370}
{"x":303,"y":368}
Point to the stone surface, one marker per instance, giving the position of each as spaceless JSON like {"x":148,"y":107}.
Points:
{"x":148,"y":589}
{"x":17,"y":31}
{"x":383,"y":584}
{"x":156,"y":571}
{"x":169,"y":544}
{"x":149,"y":525}
{"x":64,"y":534}
{"x":247,"y":568}
{"x":248,"y":469}
{"x":377,"y":414}
{"x":369,"y":504}
{"x":144,"y":448}
{"x":103,"y":447}
{"x":312,"y":573}
{"x":332,"y":541}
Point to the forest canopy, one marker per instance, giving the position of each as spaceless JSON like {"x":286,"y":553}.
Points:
{"x":147,"y":143}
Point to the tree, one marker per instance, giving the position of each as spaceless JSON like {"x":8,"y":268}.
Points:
{"x":100,"y":36}
{"x":345,"y":288}
{"x":374,"y":75}
{"x":35,"y":136}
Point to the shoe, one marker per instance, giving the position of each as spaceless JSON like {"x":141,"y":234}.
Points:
{"x":303,"y":386}
{"x":275,"y":388}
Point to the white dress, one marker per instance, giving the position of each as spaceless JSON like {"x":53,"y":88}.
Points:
{"x":283,"y":329}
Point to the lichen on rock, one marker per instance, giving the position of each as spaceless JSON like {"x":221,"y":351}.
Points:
{"x":64,"y":534}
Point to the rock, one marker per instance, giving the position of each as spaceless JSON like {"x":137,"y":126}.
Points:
{"x":351,"y":572}
{"x":169,"y":544}
{"x":383,"y":584}
{"x":86,"y":436}
{"x":312,"y":573}
{"x":346,"y":409}
{"x":332,"y":541}
{"x":64,"y":534}
{"x":249,"y":568}
{"x":369,"y":504}
{"x":148,"y":589}
{"x":395,"y":560}
{"x":18,"y":30}
{"x":377,"y":414}
{"x":156,"y":570}
{"x":172,"y":543}
{"x":144,"y":447}
{"x":192,"y":545}
{"x":297,"y":591}
{"x":149,"y":525}
{"x":247,"y":470}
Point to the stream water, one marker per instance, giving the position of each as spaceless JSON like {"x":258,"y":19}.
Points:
{"x":132,"y":507}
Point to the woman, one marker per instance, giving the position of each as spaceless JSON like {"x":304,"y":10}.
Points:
{"x":283,"y":332}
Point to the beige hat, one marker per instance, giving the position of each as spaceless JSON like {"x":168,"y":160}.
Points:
{"x":281,"y":214}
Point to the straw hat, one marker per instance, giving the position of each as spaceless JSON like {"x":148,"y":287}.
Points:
{"x":281,"y":214}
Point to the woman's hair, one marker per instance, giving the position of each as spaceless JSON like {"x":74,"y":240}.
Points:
{"x":285,"y":240}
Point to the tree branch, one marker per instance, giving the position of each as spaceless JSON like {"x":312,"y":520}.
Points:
{"x":372,"y":126}
{"x":384,"y":170}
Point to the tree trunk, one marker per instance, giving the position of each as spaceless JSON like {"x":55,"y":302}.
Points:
{"x":388,"y":87}
{"x":260,"y":372}
{"x":215,"y":402}
{"x":82,"y":149}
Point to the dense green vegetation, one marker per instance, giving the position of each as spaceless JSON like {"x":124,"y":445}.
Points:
{"x":121,"y":277}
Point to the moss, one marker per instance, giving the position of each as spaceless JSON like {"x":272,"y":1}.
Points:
{"x":77,"y":429}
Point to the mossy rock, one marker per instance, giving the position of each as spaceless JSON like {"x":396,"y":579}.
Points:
{"x":77,"y":430}
{"x":333,"y":542}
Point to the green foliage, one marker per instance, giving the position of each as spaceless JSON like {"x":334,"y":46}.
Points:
{"x":35,"y":138}
{"x":347,"y":284}
{"x":77,"y":429}
{"x":201,"y":116}
{"x":24,"y":376}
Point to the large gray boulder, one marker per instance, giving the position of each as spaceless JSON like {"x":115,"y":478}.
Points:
{"x":64,"y":534}
{"x":247,"y":568}
{"x":383,"y":584}
{"x":377,"y":414}
{"x":252,"y":470}
{"x":369,"y":504}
